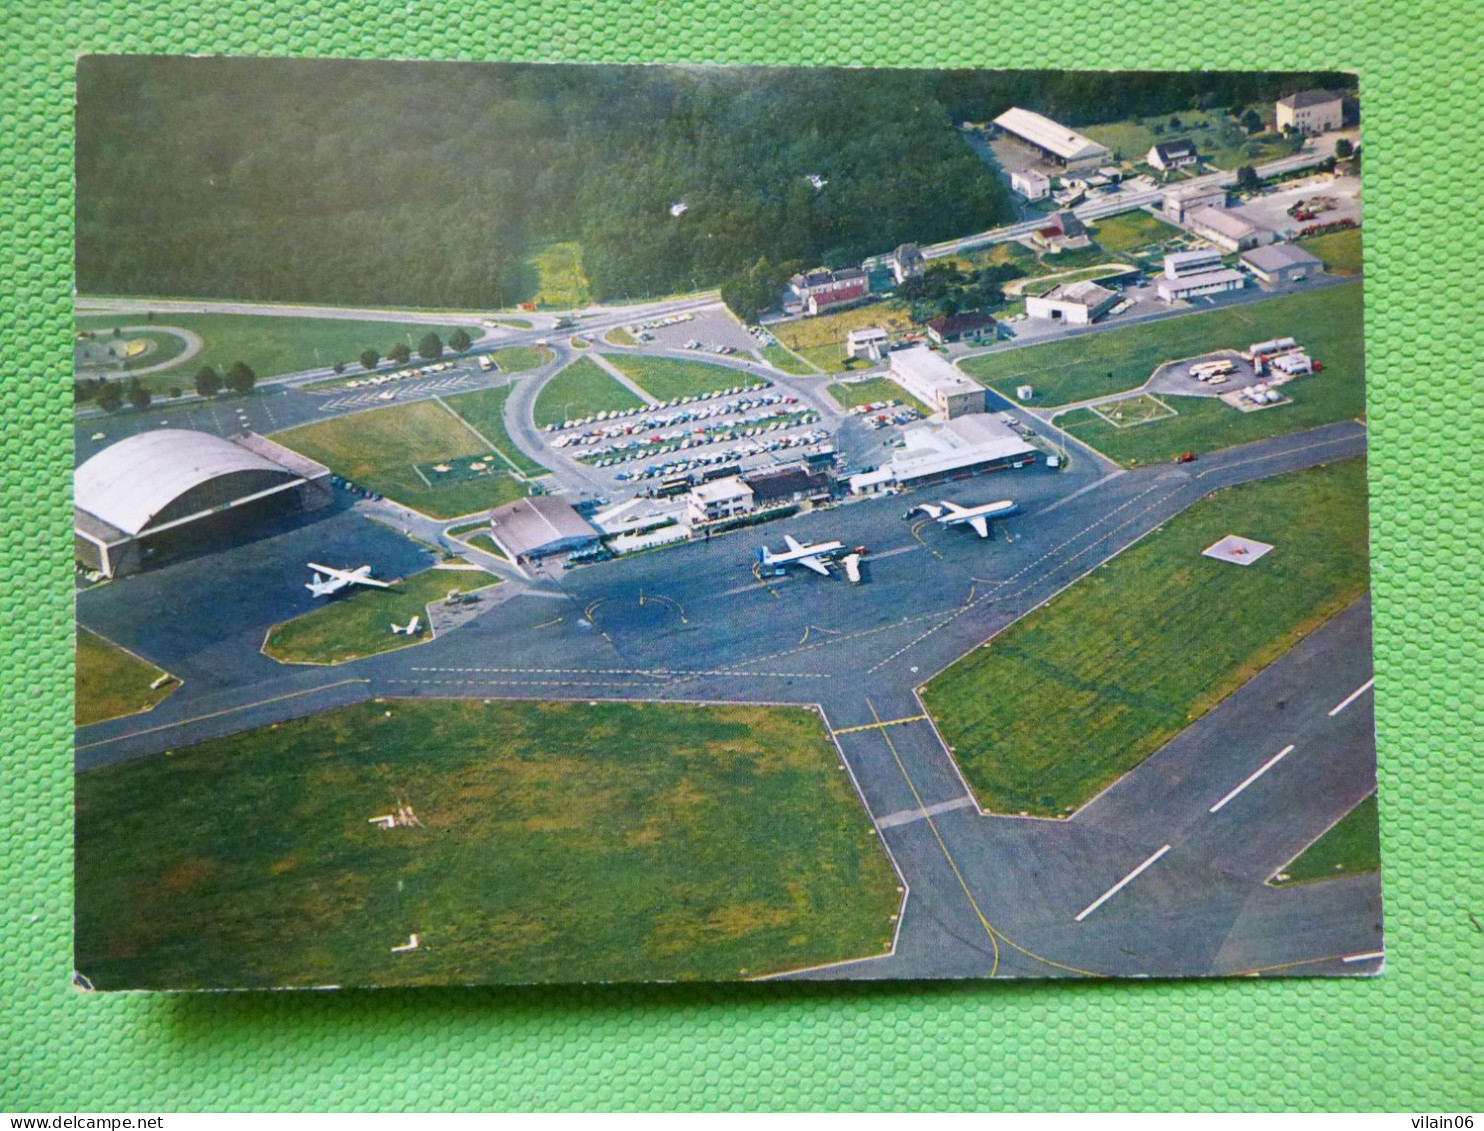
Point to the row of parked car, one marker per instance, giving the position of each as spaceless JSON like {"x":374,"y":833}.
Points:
{"x":624,"y":413}
{"x":741,"y":451}
{"x":670,"y":420}
{"x":697,"y":438}
{"x":354,"y":488}
{"x":400,"y":375}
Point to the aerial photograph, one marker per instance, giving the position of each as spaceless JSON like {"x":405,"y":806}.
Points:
{"x":565,"y":523}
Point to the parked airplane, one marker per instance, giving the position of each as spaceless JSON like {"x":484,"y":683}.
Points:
{"x":408,"y":629}
{"x":951,"y":514}
{"x":335,"y":580}
{"x":812,"y":557}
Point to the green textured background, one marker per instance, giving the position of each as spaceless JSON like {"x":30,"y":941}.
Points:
{"x":1410,"y":1040}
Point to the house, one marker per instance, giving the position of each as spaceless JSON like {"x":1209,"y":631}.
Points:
{"x":868,"y":341}
{"x":718,"y":500}
{"x":936,"y":383}
{"x":1181,"y":200}
{"x":1062,"y":232}
{"x":1310,"y":112}
{"x":1078,"y":304}
{"x":1186,"y":287}
{"x":1182,"y":263}
{"x":1177,"y":154}
{"x":972,"y":326}
{"x":1281,"y":263}
{"x":1030,"y":183}
{"x":906,"y":262}
{"x":1227,"y":230}
{"x":820,"y":289}
{"x":1056,"y":144}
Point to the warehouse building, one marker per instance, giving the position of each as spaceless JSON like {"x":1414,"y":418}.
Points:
{"x":175,"y":490}
{"x":1053,"y":141}
{"x":1078,"y":304}
{"x":1281,"y":263}
{"x":1182,"y":200}
{"x":936,"y":383}
{"x":934,"y":452}
{"x":1182,"y":263}
{"x":542,"y":526}
{"x":1187,"y":287}
{"x":1310,"y":112}
{"x":1227,"y":230}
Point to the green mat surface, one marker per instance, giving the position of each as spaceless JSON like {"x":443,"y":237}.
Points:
{"x":1410,"y":1040}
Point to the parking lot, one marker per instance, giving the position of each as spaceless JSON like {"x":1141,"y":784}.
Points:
{"x":1175,"y":377}
{"x":713,"y":331}
{"x":1271,"y":209}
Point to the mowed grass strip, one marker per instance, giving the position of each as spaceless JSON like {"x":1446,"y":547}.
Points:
{"x":1351,"y":846}
{"x":378,"y":449}
{"x":786,"y":360}
{"x":111,"y":682}
{"x":1341,"y":251}
{"x":1070,"y":698}
{"x":1327,"y":321}
{"x":358,"y":622}
{"x":873,"y":390}
{"x":484,"y":410}
{"x":581,"y":390}
{"x":666,"y":378}
{"x":559,"y":842}
{"x":520,"y":359}
{"x":1132,"y":231}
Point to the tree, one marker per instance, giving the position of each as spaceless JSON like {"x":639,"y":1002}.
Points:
{"x":240,"y":378}
{"x":370,"y":359}
{"x":1252,"y":122}
{"x":400,"y":353}
{"x":110,"y":396}
{"x":139,"y":395}
{"x":431,"y":347}
{"x":459,"y":340}
{"x":175,"y":391}
{"x":1247,"y":179}
{"x":748,"y":293}
{"x":1344,"y":148}
{"x":1175,"y":122}
{"x":338,"y":367}
{"x":208,"y":384}
{"x":1327,"y":165}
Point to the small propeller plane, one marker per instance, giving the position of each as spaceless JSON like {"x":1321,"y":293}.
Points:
{"x":811,"y":557}
{"x":951,"y":514}
{"x":334,"y":580}
{"x":409,"y":629}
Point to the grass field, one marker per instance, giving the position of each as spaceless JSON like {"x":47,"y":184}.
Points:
{"x":666,"y":378}
{"x":1073,"y":696}
{"x":379,"y":450}
{"x":618,"y":336}
{"x":1350,"y":847}
{"x":92,"y":357}
{"x":559,"y":842}
{"x":874,"y":389}
{"x":821,"y":341}
{"x":484,"y":410}
{"x":1339,"y":250}
{"x":483,"y":540}
{"x":1132,"y":231}
{"x":1220,"y":140}
{"x":560,"y":279}
{"x":1143,"y":409}
{"x":582,"y":389}
{"x":1112,"y":361}
{"x":358,"y":623}
{"x":112,"y":682}
{"x":273,"y":344}
{"x":786,"y":360}
{"x":519,"y":359}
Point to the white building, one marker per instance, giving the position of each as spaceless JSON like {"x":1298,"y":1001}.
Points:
{"x":1173,"y":154}
{"x":1030,"y":183}
{"x":1077,"y":304}
{"x":936,"y":383}
{"x":1187,"y":287}
{"x":1310,"y":112}
{"x":717,"y":500}
{"x":868,"y":341}
{"x":1184,"y":199}
{"x":1182,"y":263}
{"x":907,"y":262}
{"x":934,"y":451}
{"x":1227,"y":230}
{"x":1054,"y":141}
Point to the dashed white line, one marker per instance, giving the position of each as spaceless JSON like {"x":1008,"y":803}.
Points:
{"x":1352,"y":697}
{"x":1264,"y":768}
{"x":1120,"y":885}
{"x":1367,"y":957}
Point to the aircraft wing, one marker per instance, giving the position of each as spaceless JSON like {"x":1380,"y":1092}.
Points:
{"x":793,"y":543}
{"x":815,"y":564}
{"x":953,"y":509}
{"x":348,"y":577}
{"x":981,"y":525}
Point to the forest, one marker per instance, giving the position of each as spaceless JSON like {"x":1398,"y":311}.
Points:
{"x":435,"y":184}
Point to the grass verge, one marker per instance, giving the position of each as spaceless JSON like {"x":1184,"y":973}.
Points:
{"x":666,"y":378}
{"x":484,"y":410}
{"x":1339,"y":250}
{"x":785,"y":359}
{"x":848,"y":394}
{"x":582,"y":389}
{"x":111,"y":682}
{"x":1351,"y":846}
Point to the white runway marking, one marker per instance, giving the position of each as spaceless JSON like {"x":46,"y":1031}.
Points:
{"x":907,"y":816}
{"x":1368,"y":956}
{"x":1353,"y":696}
{"x":1264,"y":768}
{"x":1120,"y":885}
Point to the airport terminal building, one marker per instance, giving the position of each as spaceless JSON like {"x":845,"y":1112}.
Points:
{"x":956,"y":449}
{"x":172,"y":488}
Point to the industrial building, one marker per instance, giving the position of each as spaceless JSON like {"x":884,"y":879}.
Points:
{"x":542,"y":526}
{"x":1055,"y":142}
{"x":1180,"y":201}
{"x":1310,"y":112}
{"x":1078,"y":304}
{"x":936,"y":383}
{"x":1281,"y":263}
{"x":1030,"y":183}
{"x":1227,"y":230}
{"x":1176,"y":154}
{"x":1179,"y":264}
{"x":718,"y":500}
{"x":934,"y":452}
{"x":174,"y":489}
{"x":1187,"y":287}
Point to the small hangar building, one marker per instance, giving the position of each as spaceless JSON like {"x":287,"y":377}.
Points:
{"x":541,"y":526}
{"x":172,"y":488}
{"x":1077,"y":304}
{"x":1281,"y":263}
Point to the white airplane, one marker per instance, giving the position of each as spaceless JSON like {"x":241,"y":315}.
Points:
{"x":811,"y":557}
{"x":951,"y":514}
{"x":408,"y":629}
{"x":335,"y":580}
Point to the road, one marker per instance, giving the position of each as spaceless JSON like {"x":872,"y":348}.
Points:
{"x":987,"y":895}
